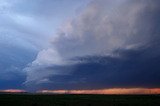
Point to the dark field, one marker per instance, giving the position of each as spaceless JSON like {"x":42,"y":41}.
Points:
{"x":78,"y":100}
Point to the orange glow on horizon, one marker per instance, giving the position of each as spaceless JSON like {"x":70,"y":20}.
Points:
{"x":13,"y":91}
{"x":107,"y":91}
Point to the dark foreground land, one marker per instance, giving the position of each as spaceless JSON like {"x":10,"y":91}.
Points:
{"x":78,"y":100}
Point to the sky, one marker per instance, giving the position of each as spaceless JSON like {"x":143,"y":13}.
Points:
{"x":80,"y":46}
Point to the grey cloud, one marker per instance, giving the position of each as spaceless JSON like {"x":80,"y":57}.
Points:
{"x":135,"y":68}
{"x":102,"y":29}
{"x":25,"y":28}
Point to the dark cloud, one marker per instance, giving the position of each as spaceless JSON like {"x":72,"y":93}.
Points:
{"x":14,"y":83}
{"x":111,"y":44}
{"x":135,"y":68}
{"x":12,"y":61}
{"x":25,"y":28}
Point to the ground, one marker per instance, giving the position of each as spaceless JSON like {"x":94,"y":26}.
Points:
{"x":78,"y":100}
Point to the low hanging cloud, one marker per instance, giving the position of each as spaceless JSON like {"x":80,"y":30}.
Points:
{"x":110,"y":44}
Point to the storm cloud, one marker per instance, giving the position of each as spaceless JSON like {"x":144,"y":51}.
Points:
{"x":110,"y":44}
{"x":25,"y":28}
